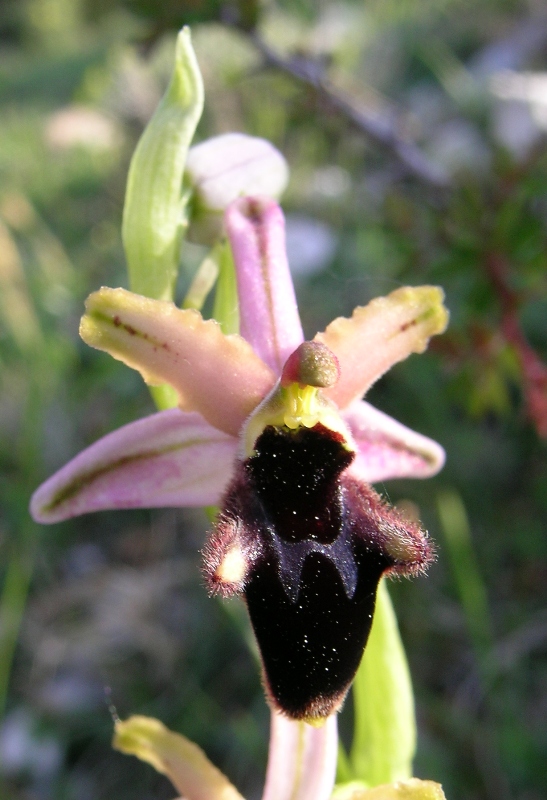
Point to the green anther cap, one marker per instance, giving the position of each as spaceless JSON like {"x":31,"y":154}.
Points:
{"x":311,"y":364}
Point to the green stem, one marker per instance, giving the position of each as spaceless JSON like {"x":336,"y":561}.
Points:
{"x":17,"y":577}
{"x":226,"y":308}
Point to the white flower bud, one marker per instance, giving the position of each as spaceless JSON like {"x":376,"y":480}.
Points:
{"x":226,"y":167}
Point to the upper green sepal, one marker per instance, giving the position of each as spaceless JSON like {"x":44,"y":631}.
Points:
{"x":154,"y":210}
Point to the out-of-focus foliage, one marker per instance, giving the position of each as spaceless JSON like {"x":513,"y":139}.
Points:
{"x":115,"y":600}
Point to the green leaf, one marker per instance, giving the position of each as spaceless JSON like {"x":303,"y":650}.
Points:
{"x":154,"y":211}
{"x":466,"y":572}
{"x":384,"y":740}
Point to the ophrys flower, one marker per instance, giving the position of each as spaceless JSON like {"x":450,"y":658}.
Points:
{"x":274,"y":431}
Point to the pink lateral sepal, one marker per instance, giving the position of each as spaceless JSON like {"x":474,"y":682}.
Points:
{"x":387,"y":448}
{"x":171,"y":458}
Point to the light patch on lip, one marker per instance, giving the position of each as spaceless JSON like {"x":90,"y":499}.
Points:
{"x":233,"y":566}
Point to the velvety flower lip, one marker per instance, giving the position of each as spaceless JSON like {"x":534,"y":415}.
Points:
{"x":182,"y":457}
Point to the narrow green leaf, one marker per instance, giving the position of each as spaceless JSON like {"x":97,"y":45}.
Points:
{"x":384,"y":740}
{"x":13,"y":600}
{"x":344,"y":771}
{"x":154,"y":211}
{"x":466,"y":571}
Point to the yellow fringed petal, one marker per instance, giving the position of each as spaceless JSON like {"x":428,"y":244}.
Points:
{"x":219,"y":376}
{"x":183,"y":762}
{"x":413,"y":789}
{"x":379,"y":335}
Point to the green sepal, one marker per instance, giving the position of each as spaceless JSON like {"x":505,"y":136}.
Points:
{"x":154,"y":211}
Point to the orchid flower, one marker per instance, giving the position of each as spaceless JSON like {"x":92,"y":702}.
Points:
{"x":186,"y":456}
{"x":273,"y":430}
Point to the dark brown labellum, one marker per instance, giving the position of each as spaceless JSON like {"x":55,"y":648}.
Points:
{"x":306,"y":544}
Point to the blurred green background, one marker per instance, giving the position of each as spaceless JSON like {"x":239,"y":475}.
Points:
{"x":416,"y":135}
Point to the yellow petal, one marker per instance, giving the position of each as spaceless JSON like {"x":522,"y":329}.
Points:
{"x":379,"y":335}
{"x":186,"y":766}
{"x":413,"y":789}
{"x":219,"y":376}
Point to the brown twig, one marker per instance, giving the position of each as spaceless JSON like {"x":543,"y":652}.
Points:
{"x":379,"y":129}
{"x":382,"y":131}
{"x":534,"y":371}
